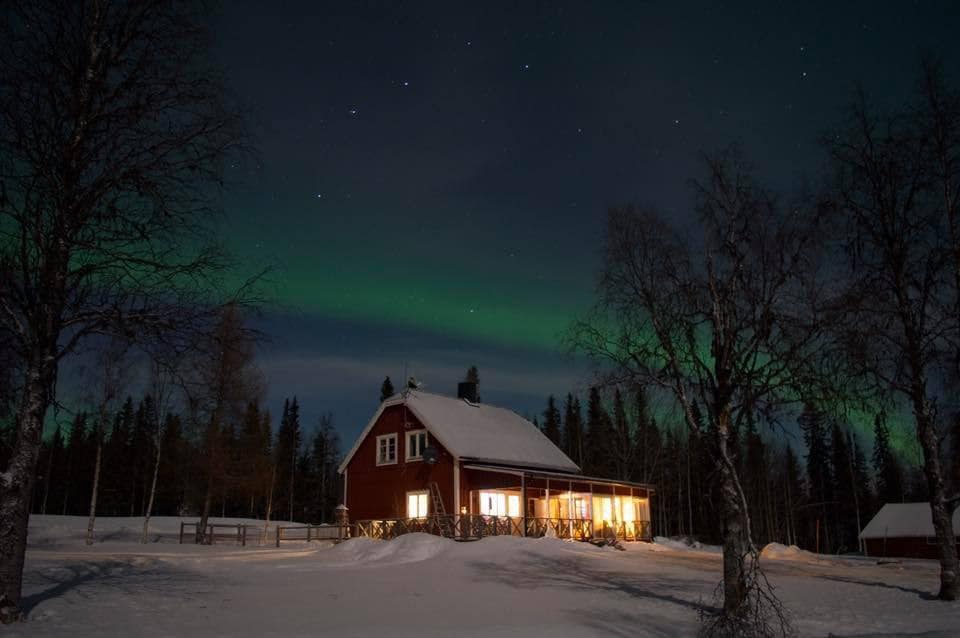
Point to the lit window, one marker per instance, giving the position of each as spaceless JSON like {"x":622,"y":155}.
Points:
{"x":386,"y":449}
{"x":416,"y":444}
{"x":418,"y":504}
{"x":513,"y":505}
{"x":493,"y":504}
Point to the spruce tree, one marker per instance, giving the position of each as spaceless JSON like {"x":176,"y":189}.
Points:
{"x":598,"y":437}
{"x":386,"y":390}
{"x":287,"y":453}
{"x":573,"y":430}
{"x":622,"y":445}
{"x":551,"y":421}
{"x":755,"y":478}
{"x":473,"y":376}
{"x":116,"y":471}
{"x":819,"y":477}
{"x":174,"y":475}
{"x":142,"y":455}
{"x":641,"y":419}
{"x":53,"y":483}
{"x":793,"y":496}
{"x":888,"y":474}
{"x":77,"y":472}
{"x":841,"y":466}
{"x":325,"y":456}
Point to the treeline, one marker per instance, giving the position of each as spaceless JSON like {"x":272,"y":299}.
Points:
{"x":255,"y":472}
{"x":816,"y":492}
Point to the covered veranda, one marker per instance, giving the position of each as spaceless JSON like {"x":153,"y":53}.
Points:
{"x":538,"y":503}
{"x":510,"y":501}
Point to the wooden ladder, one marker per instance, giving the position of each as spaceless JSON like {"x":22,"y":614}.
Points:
{"x":437,"y":499}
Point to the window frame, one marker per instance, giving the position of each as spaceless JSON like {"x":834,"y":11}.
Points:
{"x":418,"y":494}
{"x":387,"y":437}
{"x":410,"y":435}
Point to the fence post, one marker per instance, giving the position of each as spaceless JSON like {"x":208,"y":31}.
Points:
{"x":238,"y":532}
{"x":341,"y":516}
{"x":308,"y":532}
{"x":181,"y":533}
{"x":278,"y":535}
{"x":243,"y":539}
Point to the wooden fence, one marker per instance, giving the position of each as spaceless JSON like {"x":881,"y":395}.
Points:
{"x":473,"y":527}
{"x":310,"y":533}
{"x":241,"y":533}
{"x":215,"y":532}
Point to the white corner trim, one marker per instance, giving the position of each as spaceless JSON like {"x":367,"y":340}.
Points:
{"x":456,"y":486}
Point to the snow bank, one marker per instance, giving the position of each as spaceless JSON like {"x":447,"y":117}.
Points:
{"x":778,"y":551}
{"x":682,"y":544}
{"x":409,"y":548}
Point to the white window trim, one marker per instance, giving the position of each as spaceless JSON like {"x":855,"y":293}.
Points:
{"x":377,"y":451}
{"x":406,"y":447}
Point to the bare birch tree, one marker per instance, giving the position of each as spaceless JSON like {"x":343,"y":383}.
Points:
{"x":222,"y":381}
{"x":113,"y":132}
{"x":111,"y":377}
{"x":722,"y":323}
{"x":163,"y":371}
{"x":892,"y":201}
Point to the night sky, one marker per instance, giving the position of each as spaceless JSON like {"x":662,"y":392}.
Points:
{"x":432,"y":180}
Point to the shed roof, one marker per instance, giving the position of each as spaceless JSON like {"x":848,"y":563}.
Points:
{"x":901,"y":520}
{"x":478,"y":432}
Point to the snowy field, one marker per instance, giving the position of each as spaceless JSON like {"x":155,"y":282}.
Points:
{"x":421,"y":585}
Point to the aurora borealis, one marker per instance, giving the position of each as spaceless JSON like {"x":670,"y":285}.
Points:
{"x":432,"y":179}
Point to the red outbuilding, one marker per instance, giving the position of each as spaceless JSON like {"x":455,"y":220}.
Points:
{"x":461,"y":468}
{"x":903,"y":530}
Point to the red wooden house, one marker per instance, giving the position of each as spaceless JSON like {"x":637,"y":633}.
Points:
{"x":904,"y":530}
{"x":455,"y":466}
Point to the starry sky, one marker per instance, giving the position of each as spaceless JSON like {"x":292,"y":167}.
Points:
{"x":432,"y":178}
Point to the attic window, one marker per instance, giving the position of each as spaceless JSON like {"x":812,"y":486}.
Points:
{"x":416,"y":443}
{"x":387,"y":449}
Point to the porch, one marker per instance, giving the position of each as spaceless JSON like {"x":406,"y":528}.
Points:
{"x":506,"y":501}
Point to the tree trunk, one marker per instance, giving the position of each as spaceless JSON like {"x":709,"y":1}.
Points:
{"x":46,"y":481}
{"x":689,"y":491}
{"x":207,"y":502}
{"x":735,"y":545}
{"x":16,"y":483}
{"x":940,"y":510}
{"x":92,"y":519}
{"x":153,"y":491}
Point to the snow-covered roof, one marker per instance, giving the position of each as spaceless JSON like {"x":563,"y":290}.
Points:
{"x":477,"y":432}
{"x":904,"y":520}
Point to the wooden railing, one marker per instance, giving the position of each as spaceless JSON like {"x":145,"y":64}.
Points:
{"x":631,"y":531}
{"x":472,"y":527}
{"x":310,"y":533}
{"x":214,"y":533}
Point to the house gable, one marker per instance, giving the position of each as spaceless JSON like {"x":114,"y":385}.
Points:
{"x":378,"y":490}
{"x":477,"y":432}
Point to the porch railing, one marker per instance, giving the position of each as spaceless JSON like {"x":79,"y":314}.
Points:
{"x":473,"y":526}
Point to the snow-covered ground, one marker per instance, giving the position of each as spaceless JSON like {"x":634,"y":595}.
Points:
{"x":421,"y":585}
